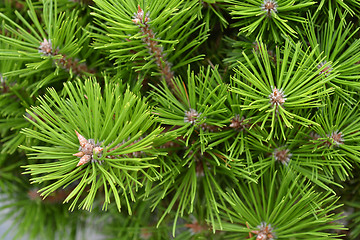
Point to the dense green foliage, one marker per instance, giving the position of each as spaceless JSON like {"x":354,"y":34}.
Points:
{"x":180,"y":119}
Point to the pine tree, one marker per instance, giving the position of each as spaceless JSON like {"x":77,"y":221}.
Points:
{"x":180,"y":119}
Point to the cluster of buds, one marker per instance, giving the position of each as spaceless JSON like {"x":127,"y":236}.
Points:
{"x":277,"y":97}
{"x":88,"y":149}
{"x":265,"y":232}
{"x":139,"y":17}
{"x":192,"y":116}
{"x":46,"y":48}
{"x":326,"y":70}
{"x":282,"y":155}
{"x":334,"y":139}
{"x":239,"y":124}
{"x":269,"y":6}
{"x":337,"y":139}
{"x":69,"y":64}
{"x":142,"y":20}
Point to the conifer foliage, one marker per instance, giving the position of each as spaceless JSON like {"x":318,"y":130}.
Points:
{"x":180,"y":119}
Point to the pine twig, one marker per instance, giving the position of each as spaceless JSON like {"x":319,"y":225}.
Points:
{"x":70,"y":64}
{"x":152,"y":45}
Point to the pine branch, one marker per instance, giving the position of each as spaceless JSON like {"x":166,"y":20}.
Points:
{"x":55,"y":40}
{"x":278,"y":91}
{"x":196,"y":108}
{"x":164,"y":42}
{"x":341,"y":54}
{"x":199,"y":130}
{"x":268,"y":17}
{"x":154,"y":50}
{"x":253,"y":210}
{"x":108,"y":120}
